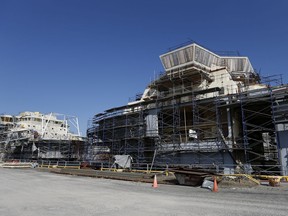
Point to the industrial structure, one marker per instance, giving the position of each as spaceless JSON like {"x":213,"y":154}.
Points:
{"x":36,"y":136}
{"x":205,"y":110}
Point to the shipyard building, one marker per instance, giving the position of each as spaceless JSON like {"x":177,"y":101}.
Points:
{"x":206,"y":110}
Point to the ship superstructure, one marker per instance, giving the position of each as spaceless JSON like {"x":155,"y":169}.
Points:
{"x":205,"y":110}
{"x":37,"y":135}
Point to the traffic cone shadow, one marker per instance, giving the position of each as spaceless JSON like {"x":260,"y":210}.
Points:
{"x":155,"y":184}
{"x":215,"y":186}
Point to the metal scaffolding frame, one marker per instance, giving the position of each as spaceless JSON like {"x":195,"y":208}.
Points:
{"x":123,"y":130}
{"x":46,"y":150}
{"x":37,"y":140}
{"x":119,"y":131}
{"x":259,"y":137}
{"x":185,"y":118}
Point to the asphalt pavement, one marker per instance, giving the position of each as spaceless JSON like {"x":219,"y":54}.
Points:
{"x":30,"y":192}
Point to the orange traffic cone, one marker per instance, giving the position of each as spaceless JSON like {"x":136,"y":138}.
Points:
{"x":215,"y":186}
{"x":155,"y":184}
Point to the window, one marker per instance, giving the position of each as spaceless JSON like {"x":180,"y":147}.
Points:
{"x":221,"y":92}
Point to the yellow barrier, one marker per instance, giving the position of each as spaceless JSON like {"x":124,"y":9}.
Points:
{"x":136,"y":171}
{"x":245,"y":175}
{"x":69,"y":167}
{"x":252,"y":179}
{"x":267,"y":177}
{"x":55,"y":166}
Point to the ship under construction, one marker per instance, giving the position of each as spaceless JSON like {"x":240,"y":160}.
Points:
{"x":37,"y":136}
{"x":207,"y":109}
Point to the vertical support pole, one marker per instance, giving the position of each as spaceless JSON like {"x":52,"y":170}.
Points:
{"x":113,"y":136}
{"x":229,"y":123}
{"x":244,"y":129}
{"x":281,"y":151}
{"x":126,"y":134}
{"x":185,"y":126}
{"x":77,"y":126}
{"x":167,"y":170}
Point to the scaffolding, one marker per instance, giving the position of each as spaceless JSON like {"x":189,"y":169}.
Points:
{"x":33,"y":136}
{"x":204,"y":111}
{"x":165,"y":124}
{"x":45,"y":150}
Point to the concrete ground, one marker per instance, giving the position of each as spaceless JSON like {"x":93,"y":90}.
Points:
{"x":31,"y":192}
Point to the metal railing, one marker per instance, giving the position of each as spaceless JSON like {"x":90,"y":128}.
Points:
{"x":256,"y":170}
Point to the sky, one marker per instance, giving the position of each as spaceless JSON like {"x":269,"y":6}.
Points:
{"x":82,"y":57}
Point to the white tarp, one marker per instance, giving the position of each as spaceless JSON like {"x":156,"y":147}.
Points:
{"x":124,"y":161}
{"x":193,"y":134}
{"x":152,"y":124}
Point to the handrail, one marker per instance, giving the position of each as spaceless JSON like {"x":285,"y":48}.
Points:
{"x":257,"y":170}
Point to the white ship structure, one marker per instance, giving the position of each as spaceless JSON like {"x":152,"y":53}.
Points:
{"x":37,"y":135}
